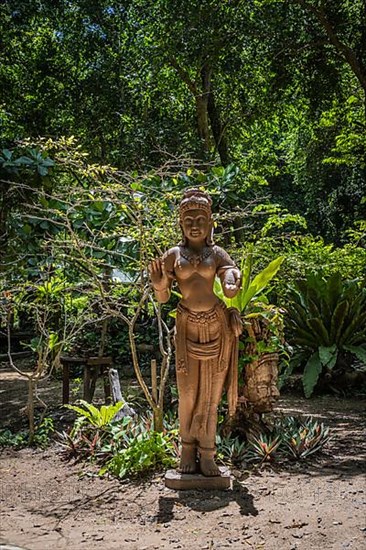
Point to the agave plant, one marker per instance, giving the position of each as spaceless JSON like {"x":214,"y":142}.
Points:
{"x":326,"y":320}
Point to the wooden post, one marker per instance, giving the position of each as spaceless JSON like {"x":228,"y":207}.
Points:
{"x":154,"y":381}
{"x":94,"y":373}
{"x":65,"y":383}
{"x":106,"y":384}
{"x":86,"y":389}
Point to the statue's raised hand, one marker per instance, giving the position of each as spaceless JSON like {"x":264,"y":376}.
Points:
{"x":231,"y":282}
{"x":158,"y":275}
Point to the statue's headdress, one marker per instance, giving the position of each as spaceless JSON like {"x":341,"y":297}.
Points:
{"x":195,"y":199}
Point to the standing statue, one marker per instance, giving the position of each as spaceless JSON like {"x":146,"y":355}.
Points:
{"x":207,"y":332}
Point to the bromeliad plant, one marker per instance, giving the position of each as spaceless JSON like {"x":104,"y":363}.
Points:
{"x":290,"y":437}
{"x":263,"y":447}
{"x":326,"y":322}
{"x":302,"y":438}
{"x":230,"y":450}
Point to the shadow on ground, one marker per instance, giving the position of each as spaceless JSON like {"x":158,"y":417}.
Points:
{"x":203,"y":501}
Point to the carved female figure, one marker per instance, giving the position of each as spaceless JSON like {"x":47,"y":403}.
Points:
{"x":206,"y":331}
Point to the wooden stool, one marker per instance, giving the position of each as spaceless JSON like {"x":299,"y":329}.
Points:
{"x":93,"y":367}
{"x":96,"y":366}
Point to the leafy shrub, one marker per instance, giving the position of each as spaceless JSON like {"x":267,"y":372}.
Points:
{"x":326,"y":321}
{"x":145,"y":453}
{"x":125,"y":447}
{"x":21,"y":439}
{"x":307,"y":254}
{"x":91,"y":415}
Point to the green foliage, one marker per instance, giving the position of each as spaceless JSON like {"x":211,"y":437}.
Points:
{"x":10,"y":439}
{"x":308,"y":254}
{"x":276,"y":93}
{"x":147,"y":452}
{"x":32,"y":159}
{"x":89,"y":415}
{"x":249,"y":288}
{"x":326,"y":320}
{"x":21,"y":439}
{"x":126,"y":447}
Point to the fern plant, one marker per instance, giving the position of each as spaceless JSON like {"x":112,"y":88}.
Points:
{"x":326,"y":321}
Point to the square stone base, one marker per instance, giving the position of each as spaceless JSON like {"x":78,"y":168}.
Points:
{"x":185,"y":482}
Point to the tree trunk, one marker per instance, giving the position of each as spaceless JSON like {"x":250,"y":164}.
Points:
{"x":351,"y":56}
{"x":202,"y":121}
{"x":30,"y":410}
{"x":218,"y":131}
{"x":158,"y":419}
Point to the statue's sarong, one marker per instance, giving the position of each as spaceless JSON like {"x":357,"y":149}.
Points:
{"x":206,"y":361}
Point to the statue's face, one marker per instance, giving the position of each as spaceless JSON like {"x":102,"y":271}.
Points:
{"x":195,"y":225}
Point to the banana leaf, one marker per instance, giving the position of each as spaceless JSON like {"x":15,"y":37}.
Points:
{"x":259,"y":282}
{"x":312,"y":371}
{"x":328,"y":356}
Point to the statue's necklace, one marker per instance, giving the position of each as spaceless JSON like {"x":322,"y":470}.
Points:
{"x":195,"y":259}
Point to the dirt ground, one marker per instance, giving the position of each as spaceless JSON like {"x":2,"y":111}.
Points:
{"x":47,"y":503}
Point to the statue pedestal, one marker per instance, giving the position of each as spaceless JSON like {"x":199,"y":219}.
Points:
{"x":185,"y":482}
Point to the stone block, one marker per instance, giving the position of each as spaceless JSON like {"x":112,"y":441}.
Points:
{"x":185,"y":482}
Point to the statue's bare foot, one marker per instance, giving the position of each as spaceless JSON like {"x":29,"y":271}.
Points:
{"x":209,"y":468}
{"x":188,"y":459}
